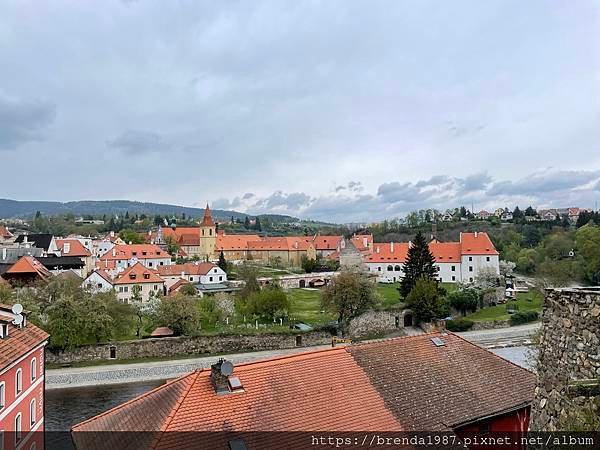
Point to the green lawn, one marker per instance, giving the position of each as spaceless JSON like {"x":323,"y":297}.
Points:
{"x":306,"y":307}
{"x":390,"y":294}
{"x":526,"y":301}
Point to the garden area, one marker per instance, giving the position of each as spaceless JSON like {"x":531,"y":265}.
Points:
{"x":525,"y":302}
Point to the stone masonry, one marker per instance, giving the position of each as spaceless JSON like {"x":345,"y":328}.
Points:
{"x":177,"y":346}
{"x":569,"y":352}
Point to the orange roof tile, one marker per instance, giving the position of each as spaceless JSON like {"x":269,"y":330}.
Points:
{"x":207,"y":220}
{"x":232,"y":242}
{"x":445,"y":251}
{"x":187,"y":269}
{"x":28,"y":264}
{"x":436,"y":388}
{"x":478,"y":243}
{"x":76,"y":248}
{"x":384,"y":252}
{"x":390,"y":385}
{"x":138,"y":274}
{"x":5,"y":233}
{"x":139,"y":251}
{"x":286,"y":243}
{"x":327,"y":242}
{"x":20,"y":340}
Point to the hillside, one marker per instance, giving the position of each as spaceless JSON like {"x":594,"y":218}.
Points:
{"x":26,"y":209}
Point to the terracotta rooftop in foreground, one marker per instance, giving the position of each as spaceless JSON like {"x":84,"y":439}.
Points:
{"x":390,"y":385}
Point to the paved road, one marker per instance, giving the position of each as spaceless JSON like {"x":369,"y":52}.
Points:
{"x":503,"y":337}
{"x":160,"y":370}
{"x":156,"y":370}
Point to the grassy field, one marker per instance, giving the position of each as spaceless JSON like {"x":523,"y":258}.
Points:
{"x":526,"y":301}
{"x":306,"y":307}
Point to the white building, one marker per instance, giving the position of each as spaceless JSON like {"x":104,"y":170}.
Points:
{"x":98,"y":281}
{"x":195,"y":273}
{"x":457,"y":261}
{"x":148,"y":281}
{"x":122,"y":256}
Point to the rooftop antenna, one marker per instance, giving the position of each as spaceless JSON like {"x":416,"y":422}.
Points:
{"x":17,"y":309}
{"x":226,"y":368}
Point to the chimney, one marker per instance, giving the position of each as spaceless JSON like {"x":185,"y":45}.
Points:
{"x":392,"y":247}
{"x":114,"y":252}
{"x":222,"y":379}
{"x":112,"y":234}
{"x":182,"y":274}
{"x":476,"y":234}
{"x":66,"y":248}
{"x":25,"y":239}
{"x":377,"y":249}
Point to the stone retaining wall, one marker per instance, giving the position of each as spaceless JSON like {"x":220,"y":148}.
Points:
{"x":569,"y":350}
{"x":490,"y":325}
{"x":377,"y":322}
{"x":175,"y":346}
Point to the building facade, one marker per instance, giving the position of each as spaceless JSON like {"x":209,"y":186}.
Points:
{"x":21,"y":382}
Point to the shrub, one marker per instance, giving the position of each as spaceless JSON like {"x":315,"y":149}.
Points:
{"x":520,"y":318}
{"x":459,"y":324}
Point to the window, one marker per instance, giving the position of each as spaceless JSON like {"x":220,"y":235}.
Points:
{"x":120,"y":288}
{"x":2,"y":395}
{"x":471,"y":279}
{"x":453,"y":278}
{"x":470,"y":268}
{"x":33,"y":366}
{"x":32,"y":418}
{"x":18,"y":433}
{"x":397,"y":268}
{"x":470,"y":258}
{"x":162,"y":263}
{"x":126,"y":288}
{"x":220,"y":278}
{"x":150,"y":264}
{"x":215,"y":271}
{"x":379,"y":269}
{"x":487,"y":258}
{"x":18,"y":382}
{"x":453,"y":268}
{"x":210,"y":278}
{"x":390,"y":268}
{"x":156,"y":287}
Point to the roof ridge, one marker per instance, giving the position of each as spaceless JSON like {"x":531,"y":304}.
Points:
{"x":145,"y":394}
{"x":174,"y":410}
{"x":395,"y":338}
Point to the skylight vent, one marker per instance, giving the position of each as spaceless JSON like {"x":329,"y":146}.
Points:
{"x":438,"y":342}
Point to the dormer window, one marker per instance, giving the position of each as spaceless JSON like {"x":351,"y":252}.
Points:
{"x":146,"y":276}
{"x":144,"y":253}
{"x":132,"y":276}
{"x":134,"y":253}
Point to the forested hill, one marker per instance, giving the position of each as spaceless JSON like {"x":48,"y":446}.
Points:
{"x":27,"y":209}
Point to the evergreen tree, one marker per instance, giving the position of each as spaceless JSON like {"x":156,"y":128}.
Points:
{"x":257,"y":224}
{"x":420,"y":263}
{"x":247,"y":223}
{"x":222,"y":261}
{"x":232,"y":220}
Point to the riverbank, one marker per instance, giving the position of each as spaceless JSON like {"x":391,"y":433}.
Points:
{"x":148,"y":371}
{"x":160,"y":370}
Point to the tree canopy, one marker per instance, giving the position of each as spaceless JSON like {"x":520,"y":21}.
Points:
{"x":420,"y":263}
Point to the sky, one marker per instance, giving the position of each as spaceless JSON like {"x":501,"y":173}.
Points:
{"x":337,"y":110}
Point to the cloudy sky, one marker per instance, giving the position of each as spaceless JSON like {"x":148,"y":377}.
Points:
{"x":342,"y":110}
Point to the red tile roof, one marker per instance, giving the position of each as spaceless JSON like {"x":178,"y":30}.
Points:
{"x":187,"y":269}
{"x":437,"y":388}
{"x":4,"y":233}
{"x":20,"y":340}
{"x":137,"y":274}
{"x":76,"y":248}
{"x":389,"y":385}
{"x":232,"y":242}
{"x":29,"y":265}
{"x":207,"y":220}
{"x":445,"y":251}
{"x":478,"y":243}
{"x":285,"y":243}
{"x":139,"y":251}
{"x":387,"y":252}
{"x":327,"y":242}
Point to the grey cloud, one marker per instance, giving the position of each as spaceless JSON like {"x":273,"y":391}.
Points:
{"x":138,"y":142}
{"x":340,"y":188}
{"x":437,"y":180}
{"x":247,"y":195}
{"x":475,"y":182}
{"x":279,"y":199}
{"x":544,"y":182}
{"x":23,"y":121}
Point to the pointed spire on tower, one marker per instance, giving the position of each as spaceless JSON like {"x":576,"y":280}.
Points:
{"x":207,"y":220}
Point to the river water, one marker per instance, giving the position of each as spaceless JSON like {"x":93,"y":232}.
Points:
{"x":66,"y":407}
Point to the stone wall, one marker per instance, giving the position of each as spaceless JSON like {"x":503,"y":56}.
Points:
{"x":377,"y":322}
{"x":176,"y":346}
{"x":491,"y":325}
{"x":569,"y":350}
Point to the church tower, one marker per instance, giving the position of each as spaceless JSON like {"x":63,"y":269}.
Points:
{"x":208,"y":236}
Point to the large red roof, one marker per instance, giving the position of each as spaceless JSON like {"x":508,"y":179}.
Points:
{"x":187,"y":269}
{"x":390,"y":385}
{"x":75,"y":247}
{"x":139,"y":251}
{"x":477,"y":243}
{"x":29,"y":265}
{"x":136,"y":274}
